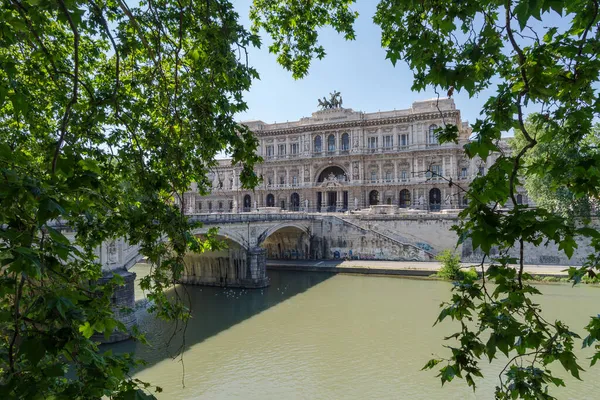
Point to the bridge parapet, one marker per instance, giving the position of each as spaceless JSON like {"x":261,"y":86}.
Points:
{"x":234,"y":218}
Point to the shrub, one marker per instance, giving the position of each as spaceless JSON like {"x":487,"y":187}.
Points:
{"x":450,"y":268}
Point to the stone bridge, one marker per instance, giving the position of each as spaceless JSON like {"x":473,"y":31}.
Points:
{"x":254,"y":237}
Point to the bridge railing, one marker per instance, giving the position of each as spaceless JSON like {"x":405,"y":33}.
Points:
{"x":249,"y":217}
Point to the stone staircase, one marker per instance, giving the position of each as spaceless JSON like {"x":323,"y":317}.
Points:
{"x":388,"y":237}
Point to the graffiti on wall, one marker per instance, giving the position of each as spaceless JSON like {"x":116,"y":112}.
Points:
{"x":424,"y":246}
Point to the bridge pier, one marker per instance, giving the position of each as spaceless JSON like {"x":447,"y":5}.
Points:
{"x":257,"y":265}
{"x":123,"y":304}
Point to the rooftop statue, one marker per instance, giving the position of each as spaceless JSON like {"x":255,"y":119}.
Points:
{"x":335,"y":101}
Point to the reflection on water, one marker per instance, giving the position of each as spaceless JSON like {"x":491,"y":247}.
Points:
{"x":322,"y":336}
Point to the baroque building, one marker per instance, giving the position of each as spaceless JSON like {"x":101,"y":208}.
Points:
{"x":342,"y":160}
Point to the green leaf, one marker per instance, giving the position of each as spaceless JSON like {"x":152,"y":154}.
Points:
{"x":86,"y":330}
{"x":33,"y":349}
{"x":57,"y":236}
{"x":431,"y":363}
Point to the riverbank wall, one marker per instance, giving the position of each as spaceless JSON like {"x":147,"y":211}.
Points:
{"x":397,"y":268}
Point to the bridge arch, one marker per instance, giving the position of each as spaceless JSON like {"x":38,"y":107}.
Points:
{"x":287,"y":240}
{"x":226,"y":234}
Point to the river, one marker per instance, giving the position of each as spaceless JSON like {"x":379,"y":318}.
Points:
{"x":324,"y":336}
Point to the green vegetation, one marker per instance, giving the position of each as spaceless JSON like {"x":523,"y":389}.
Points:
{"x":451,"y":268}
{"x":109,"y":111}
{"x":554,"y":196}
{"x":514,"y":50}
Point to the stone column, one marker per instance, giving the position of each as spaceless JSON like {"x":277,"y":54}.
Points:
{"x":257,"y":268}
{"x":122,"y":304}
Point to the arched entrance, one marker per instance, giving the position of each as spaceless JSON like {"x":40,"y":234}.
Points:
{"x":435,"y":199}
{"x":335,"y":197}
{"x":295,"y":202}
{"x":404,"y":198}
{"x":247,"y":203}
{"x":373,"y":198}
{"x":270,"y":200}
{"x":332,"y":172}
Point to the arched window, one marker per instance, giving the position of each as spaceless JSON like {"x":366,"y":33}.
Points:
{"x":404,"y":198}
{"x":210,"y":206}
{"x":373,"y":198}
{"x":295,"y":202}
{"x":432,"y":135}
{"x":332,"y":172}
{"x":270,"y":200}
{"x":230,"y":205}
{"x":247,"y":203}
{"x":465,"y":201}
{"x":435,"y":199}
{"x":345,"y":142}
{"x":331,"y":143}
{"x":220,"y":205}
{"x":388,"y":201}
{"x":519,"y":199}
{"x":318,"y":147}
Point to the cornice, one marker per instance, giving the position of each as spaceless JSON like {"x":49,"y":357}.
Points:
{"x":358,"y":123}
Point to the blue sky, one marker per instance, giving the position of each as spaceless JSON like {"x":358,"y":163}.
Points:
{"x":358,"y":69}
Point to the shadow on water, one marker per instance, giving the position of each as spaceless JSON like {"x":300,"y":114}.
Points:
{"x":214,"y":310}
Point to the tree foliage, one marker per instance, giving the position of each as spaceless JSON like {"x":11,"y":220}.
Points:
{"x":541,"y":188}
{"x":108,"y":111}
{"x":514,"y":48}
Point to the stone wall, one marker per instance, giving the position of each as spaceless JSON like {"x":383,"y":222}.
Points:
{"x":123,"y":303}
{"x":344,"y":239}
{"x":433,"y":233}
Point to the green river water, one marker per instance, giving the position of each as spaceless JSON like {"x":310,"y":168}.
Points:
{"x":324,"y":336}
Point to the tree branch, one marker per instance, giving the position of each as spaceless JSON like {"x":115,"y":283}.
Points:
{"x":18,"y":294}
{"x":117,"y":57}
{"x":63,"y":128}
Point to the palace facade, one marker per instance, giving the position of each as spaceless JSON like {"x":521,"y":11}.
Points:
{"x":342,"y":160}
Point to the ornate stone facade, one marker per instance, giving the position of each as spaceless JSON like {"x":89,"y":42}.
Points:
{"x":339,"y":160}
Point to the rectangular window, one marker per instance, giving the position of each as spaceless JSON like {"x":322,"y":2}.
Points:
{"x":282,"y":180}
{"x":404,"y":175}
{"x":436,"y":171}
{"x":373,"y":176}
{"x":294,"y":148}
{"x":388,"y":176}
{"x":463,"y":173}
{"x":481,"y":170}
{"x":388,"y":141}
{"x":282,"y":149}
{"x":372,"y":143}
{"x":403,"y":140}
{"x":294,"y":180}
{"x":270,"y":151}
